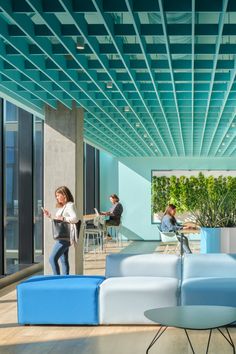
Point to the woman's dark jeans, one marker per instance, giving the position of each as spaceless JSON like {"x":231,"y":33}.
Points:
{"x":60,"y":250}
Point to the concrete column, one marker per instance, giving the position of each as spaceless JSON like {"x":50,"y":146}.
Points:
{"x":63,"y":165}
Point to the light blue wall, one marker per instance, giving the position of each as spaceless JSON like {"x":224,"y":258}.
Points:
{"x":109,"y":176}
{"x":133,"y":185}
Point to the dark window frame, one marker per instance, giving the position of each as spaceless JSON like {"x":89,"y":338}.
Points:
{"x":25,"y":183}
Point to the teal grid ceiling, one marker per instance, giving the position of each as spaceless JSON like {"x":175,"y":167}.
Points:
{"x":156,"y":77}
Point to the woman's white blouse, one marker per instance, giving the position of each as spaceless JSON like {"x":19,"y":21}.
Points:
{"x":68,"y":212}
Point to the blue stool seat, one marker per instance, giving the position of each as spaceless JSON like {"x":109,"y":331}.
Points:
{"x":69,"y":299}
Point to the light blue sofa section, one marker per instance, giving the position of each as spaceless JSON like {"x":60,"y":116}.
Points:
{"x":209,"y":279}
{"x":70,"y":299}
{"x":136,"y":283}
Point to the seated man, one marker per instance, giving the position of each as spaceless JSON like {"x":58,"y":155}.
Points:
{"x":114,"y":212}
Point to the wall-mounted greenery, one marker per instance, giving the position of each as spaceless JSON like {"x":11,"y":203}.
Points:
{"x":211,"y":200}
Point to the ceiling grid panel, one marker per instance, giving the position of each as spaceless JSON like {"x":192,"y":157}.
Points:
{"x":136,"y":24}
{"x":82,"y":26}
{"x":231,"y":118}
{"x":45,"y":46}
{"x":107,"y":20}
{"x":164,"y":25}
{"x":155,"y":78}
{"x":192,"y":67}
{"x":213,"y":72}
{"x":119,"y":149}
{"x":18,"y":62}
{"x":54,"y":25}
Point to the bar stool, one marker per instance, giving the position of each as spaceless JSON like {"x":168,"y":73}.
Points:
{"x":95,"y":234}
{"x":117,"y":234}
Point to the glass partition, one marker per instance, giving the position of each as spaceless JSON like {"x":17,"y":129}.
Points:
{"x":11,"y":234}
{"x":38,"y":189}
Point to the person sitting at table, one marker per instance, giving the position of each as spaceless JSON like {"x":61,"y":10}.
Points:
{"x":169,"y":224}
{"x":114,"y":212}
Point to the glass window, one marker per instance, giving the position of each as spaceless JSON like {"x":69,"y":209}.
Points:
{"x":38,"y":189}
{"x":11,"y":235}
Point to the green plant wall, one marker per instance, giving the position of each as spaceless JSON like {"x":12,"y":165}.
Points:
{"x":211,"y":200}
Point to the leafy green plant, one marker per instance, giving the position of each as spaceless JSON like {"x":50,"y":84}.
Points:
{"x":212,"y":201}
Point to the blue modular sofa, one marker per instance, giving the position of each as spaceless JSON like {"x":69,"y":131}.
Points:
{"x":133,"y":284}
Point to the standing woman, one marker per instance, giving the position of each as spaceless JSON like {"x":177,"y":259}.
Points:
{"x":66,"y":212}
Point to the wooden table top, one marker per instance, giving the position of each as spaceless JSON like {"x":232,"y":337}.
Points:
{"x":88,"y":217}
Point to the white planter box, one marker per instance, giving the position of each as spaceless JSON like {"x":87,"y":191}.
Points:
{"x":228,"y":240}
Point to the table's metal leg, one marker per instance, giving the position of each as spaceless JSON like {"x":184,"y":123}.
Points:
{"x":189,"y":340}
{"x":229,"y":339}
{"x":181,"y":262}
{"x":209,"y":339}
{"x":156,"y":337}
{"x":181,"y":245}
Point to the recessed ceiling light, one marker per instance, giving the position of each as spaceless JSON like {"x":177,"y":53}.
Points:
{"x":223,"y":144}
{"x":80,"y":43}
{"x":145,"y":135}
{"x":233,"y":125}
{"x":137,"y":125}
{"x":219,"y":150}
{"x":227,"y":135}
{"x":109,"y":84}
{"x":151,"y":144}
{"x":126,"y":109}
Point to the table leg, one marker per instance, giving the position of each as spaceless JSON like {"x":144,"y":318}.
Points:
{"x":189,"y":340}
{"x":209,"y":339}
{"x":229,"y":339}
{"x":156,"y":337}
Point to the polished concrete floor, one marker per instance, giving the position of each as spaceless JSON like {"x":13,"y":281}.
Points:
{"x":15,"y":339}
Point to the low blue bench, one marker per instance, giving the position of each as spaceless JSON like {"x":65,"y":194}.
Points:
{"x":69,"y":299}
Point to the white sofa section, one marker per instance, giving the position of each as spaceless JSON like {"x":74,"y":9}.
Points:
{"x":136,"y":283}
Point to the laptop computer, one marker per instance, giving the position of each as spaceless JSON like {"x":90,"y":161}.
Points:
{"x":96,"y":211}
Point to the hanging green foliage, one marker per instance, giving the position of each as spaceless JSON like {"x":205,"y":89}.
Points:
{"x":211,"y":200}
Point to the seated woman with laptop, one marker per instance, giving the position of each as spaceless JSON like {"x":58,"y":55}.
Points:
{"x":114,"y":212}
{"x":169,"y":223}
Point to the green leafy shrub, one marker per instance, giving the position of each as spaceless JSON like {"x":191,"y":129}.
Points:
{"x":211,"y":200}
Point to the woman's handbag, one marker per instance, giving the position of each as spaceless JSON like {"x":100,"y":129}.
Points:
{"x":61,"y":230}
